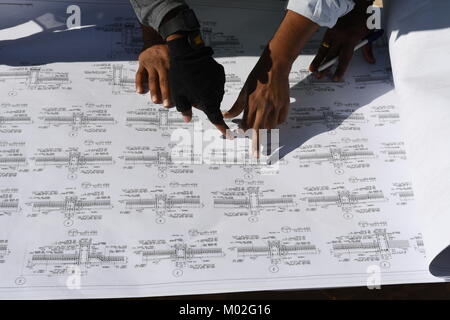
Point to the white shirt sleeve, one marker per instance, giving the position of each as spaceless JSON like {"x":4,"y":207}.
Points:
{"x":323,"y":12}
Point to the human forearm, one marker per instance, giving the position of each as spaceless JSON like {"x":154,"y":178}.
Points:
{"x":290,"y":38}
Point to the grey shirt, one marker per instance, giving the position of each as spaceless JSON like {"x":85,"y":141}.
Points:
{"x":151,"y":12}
{"x":323,"y":12}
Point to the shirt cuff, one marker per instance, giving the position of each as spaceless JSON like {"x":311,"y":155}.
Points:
{"x":323,"y":12}
{"x":151,"y":12}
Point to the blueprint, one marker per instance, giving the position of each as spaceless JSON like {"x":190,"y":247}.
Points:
{"x":99,"y":199}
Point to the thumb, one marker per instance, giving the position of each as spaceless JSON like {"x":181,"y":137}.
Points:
{"x":238,"y":106}
{"x":216,"y":117}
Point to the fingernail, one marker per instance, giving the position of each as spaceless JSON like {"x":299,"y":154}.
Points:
{"x":186,"y":119}
{"x":166,"y":103}
{"x":154,"y":99}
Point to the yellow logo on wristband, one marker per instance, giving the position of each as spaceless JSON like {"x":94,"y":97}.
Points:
{"x":198,"y":40}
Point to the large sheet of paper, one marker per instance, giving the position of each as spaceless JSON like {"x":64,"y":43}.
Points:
{"x":102,"y":195}
{"x":422,"y":85}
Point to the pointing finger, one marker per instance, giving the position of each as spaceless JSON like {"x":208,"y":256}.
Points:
{"x":238,"y":106}
{"x":153,"y":85}
{"x":345,"y":56}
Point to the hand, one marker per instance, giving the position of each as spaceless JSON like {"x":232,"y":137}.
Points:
{"x":154,"y":72}
{"x":196,"y":79}
{"x":264,"y":98}
{"x":341,"y":40}
{"x":265,"y":95}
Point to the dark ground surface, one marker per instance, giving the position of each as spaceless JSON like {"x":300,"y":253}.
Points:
{"x":440,"y":291}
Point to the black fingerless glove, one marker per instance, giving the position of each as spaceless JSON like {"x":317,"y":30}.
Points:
{"x":196,"y":78}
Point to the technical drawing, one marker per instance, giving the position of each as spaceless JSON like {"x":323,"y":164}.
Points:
{"x":379,"y":76}
{"x":161,"y":159}
{"x":11,"y":166}
{"x":221,"y":43}
{"x":393,"y":151}
{"x":177,"y":162}
{"x":9,"y":206}
{"x":196,"y":253}
{"x":346,"y":198}
{"x":79,"y":120}
{"x":126,"y":37}
{"x":13,"y":160}
{"x":389,"y":117}
{"x":329,"y":118}
{"x":163,"y":204}
{"x":131,"y":37}
{"x":232,"y":156}
{"x":120,"y":78}
{"x":361,"y":200}
{"x":158,"y":120}
{"x":9,"y":201}
{"x":351,"y":156}
{"x":86,"y":207}
{"x":288,"y":247}
{"x":233,"y":83}
{"x":93,"y":177}
{"x":385,"y":115}
{"x":57,"y":259}
{"x":374,"y":244}
{"x":251,"y":202}
{"x":123,"y":80}
{"x":34,"y":78}
{"x":403,"y":192}
{"x":3,"y":250}
{"x":14,"y":117}
{"x":74,"y":161}
{"x":14,"y":120}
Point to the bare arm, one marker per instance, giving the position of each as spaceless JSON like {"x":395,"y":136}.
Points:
{"x":265,"y":95}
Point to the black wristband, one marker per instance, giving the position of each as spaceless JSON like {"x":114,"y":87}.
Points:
{"x":188,"y":44}
{"x":184,"y":21}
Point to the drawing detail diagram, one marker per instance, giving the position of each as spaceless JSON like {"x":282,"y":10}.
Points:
{"x":252,"y":200}
{"x":34,"y":78}
{"x":90,"y":206}
{"x":57,"y":259}
{"x":99,"y":182}
{"x":174,"y":205}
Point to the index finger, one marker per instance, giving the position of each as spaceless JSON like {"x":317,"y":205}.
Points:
{"x":215,"y":115}
{"x":345,"y":56}
{"x":141,"y":76}
{"x":224,"y":129}
{"x":260,"y":119}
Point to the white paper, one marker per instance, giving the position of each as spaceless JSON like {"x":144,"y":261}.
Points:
{"x":422,"y":84}
{"x":95,"y":202}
